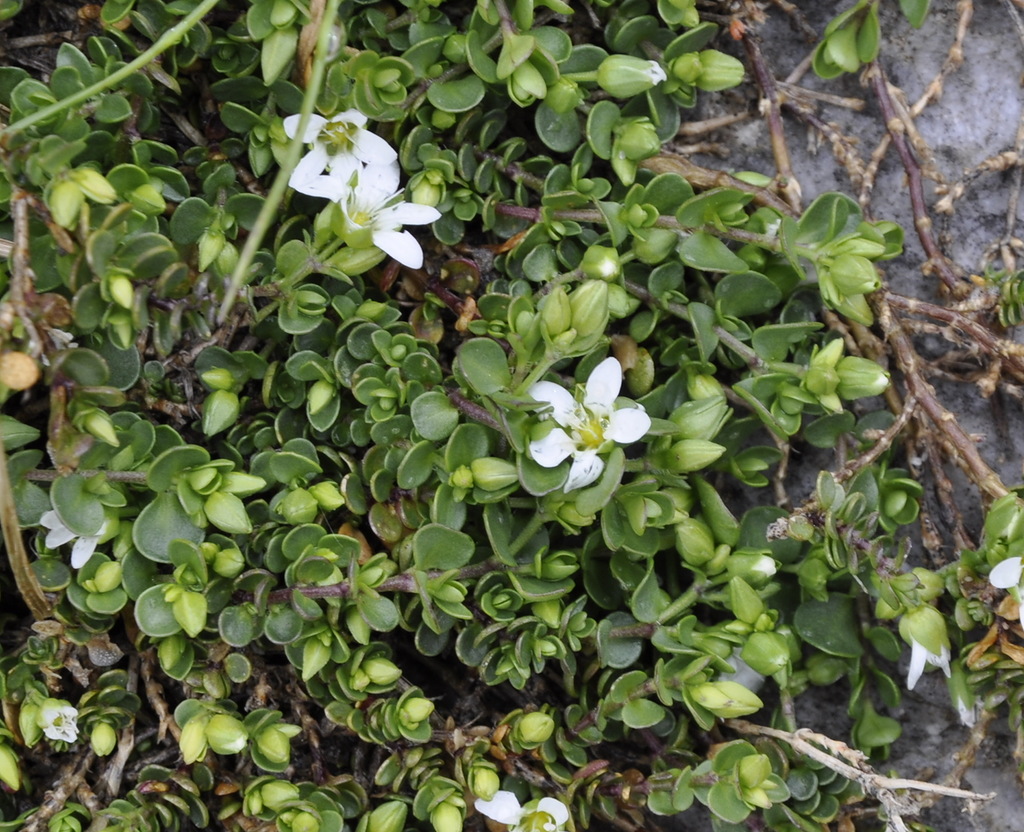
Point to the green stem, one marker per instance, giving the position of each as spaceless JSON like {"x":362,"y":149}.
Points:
{"x":272,"y":203}
{"x":162,"y":44}
{"x":681,"y":604}
{"x":537,"y":373}
{"x":528,"y":531}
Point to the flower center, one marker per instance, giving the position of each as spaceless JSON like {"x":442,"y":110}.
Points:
{"x":590,"y":431}
{"x":338,"y":136}
{"x":537,"y":822}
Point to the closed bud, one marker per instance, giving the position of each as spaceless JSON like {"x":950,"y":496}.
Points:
{"x":28,"y":723}
{"x":353,"y":261}
{"x":640,"y":377}
{"x":701,"y":418}
{"x":446,"y":817}
{"x":718,"y":71}
{"x":319,"y":395}
{"x":388,"y":817}
{"x":555,"y":312}
{"x":193,"y":740}
{"x":564,"y":96}
{"x":621,"y":304}
{"x":274,"y":742}
{"x":147,"y":199}
{"x":655,"y":245}
{"x":211,"y":243}
{"x":121,"y":290}
{"x":687,"y":68}
{"x":94,"y":185}
{"x":98,"y":423}
{"x":327,"y":495}
{"x":277,"y":793}
{"x":427,"y":188}
{"x":10,"y":771}
{"x":703,"y":386}
{"x":226,"y":734}
{"x":220,"y":411}
{"x":381,"y":671}
{"x":688,"y":455}
{"x":694,"y":541}
{"x":228,"y":563}
{"x":533,"y":729}
{"x":304,"y":822}
{"x":589,"y":305}
{"x":65,"y":200}
{"x":297,"y":507}
{"x":860,"y":378}
{"x":106,"y":578}
{"x":219,"y":378}
{"x":766,"y":653}
{"x":726,"y":699}
{"x":756,"y":569}
{"x":745,"y":604}
{"x":455,"y":48}
{"x":853,"y":274}
{"x":461,"y":477}
{"x":550,"y":611}
{"x":526,"y":84}
{"x":103,"y":739}
{"x":626,"y":76}
{"x":484,"y":781}
{"x":601,"y":263}
{"x":493,"y":474}
{"x":416,"y":709}
{"x":635,"y":139}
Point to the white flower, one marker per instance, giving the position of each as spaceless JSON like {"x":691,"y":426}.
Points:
{"x":59,"y":534}
{"x":374,"y":210}
{"x":656,"y":72}
{"x":336,"y":141}
{"x":587,"y":428}
{"x":920,"y":656}
{"x":544,"y":815}
{"x":1006,"y":575}
{"x":59,"y":720}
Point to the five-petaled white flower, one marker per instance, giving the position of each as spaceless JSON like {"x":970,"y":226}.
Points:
{"x":374,"y":209}
{"x":59,"y":720}
{"x":921,"y":656}
{"x":59,"y":534}
{"x":544,"y":815}
{"x":589,"y":428}
{"x":1007,"y":575}
{"x":336,"y":141}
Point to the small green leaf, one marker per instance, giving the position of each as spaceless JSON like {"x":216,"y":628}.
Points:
{"x":484,"y":365}
{"x":830,"y":625}
{"x":457,"y":95}
{"x":160,"y":522}
{"x":642,"y":713}
{"x":433,"y":415}
{"x":437,"y":547}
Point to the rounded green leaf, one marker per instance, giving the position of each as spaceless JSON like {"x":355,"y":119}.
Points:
{"x":77,"y":508}
{"x":154,"y":615}
{"x":434,"y":416}
{"x":160,"y":522}
{"x":642,"y":713}
{"x":457,"y":95}
{"x":437,"y":547}
{"x":830,"y":625}
{"x":484,"y":365}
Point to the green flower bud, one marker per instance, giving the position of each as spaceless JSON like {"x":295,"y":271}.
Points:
{"x":655,"y":245}
{"x":550,"y":611}
{"x":220,"y":411}
{"x":94,"y":185}
{"x":193,"y":742}
{"x":687,"y":68}
{"x":718,"y":71}
{"x":10,"y":771}
{"x":726,"y":699}
{"x":65,"y":200}
{"x":277,"y":793}
{"x":555,"y":312}
{"x":589,"y":304}
{"x":526,"y":84}
{"x":121,"y":290}
{"x":227,"y":513}
{"x":319,"y":395}
{"x":455,"y":48}
{"x":744,"y":602}
{"x":356,"y":259}
{"x":766,"y":653}
{"x":297,"y":507}
{"x":98,"y":423}
{"x":388,"y":817}
{"x":416,"y":709}
{"x":107,"y":577}
{"x":446,"y":817}
{"x":854,"y":275}
{"x":635,"y":139}
{"x":694,"y":541}
{"x":927,"y":627}
{"x":274,"y":742}
{"x":754,"y":568}
{"x":825,"y":670}
{"x":103,"y":739}
{"x":565,"y":96}
{"x":533,"y":729}
{"x":226,"y":734}
{"x":484,"y":781}
{"x":601,"y":263}
{"x":228,"y":563}
{"x":625,"y":76}
{"x":702,"y":386}
{"x":304,"y":822}
{"x":327,"y":495}
{"x":381,"y":671}
{"x":860,"y":378}
{"x":461,"y":477}
{"x":28,"y":723}
{"x":493,"y":474}
{"x":640,"y":377}
{"x":189,"y":610}
{"x":147,"y":199}
{"x":621,"y":304}
{"x":692,"y":455}
{"x":219,"y":378}
{"x":211,"y":243}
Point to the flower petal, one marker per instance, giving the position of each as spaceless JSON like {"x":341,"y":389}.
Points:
{"x":563,"y":405}
{"x":558,"y":811}
{"x":353,"y":117}
{"x":411,"y":213}
{"x":918,"y":657}
{"x":604,"y":384}
{"x":1004,"y":574}
{"x":553,"y":449}
{"x":372,"y":149}
{"x":58,"y":533}
{"x":586,"y":468}
{"x":400,"y":246}
{"x":309,"y":167}
{"x":327,"y":186}
{"x":627,"y":425}
{"x":941,"y":660}
{"x":83,"y":550}
{"x":313,"y":127}
{"x":382,"y":179}
{"x":503,"y":807}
